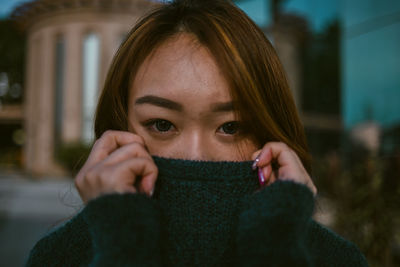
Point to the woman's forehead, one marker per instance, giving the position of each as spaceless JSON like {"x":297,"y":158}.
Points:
{"x":181,"y":68}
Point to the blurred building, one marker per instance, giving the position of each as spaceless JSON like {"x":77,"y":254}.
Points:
{"x":312,"y":63}
{"x":70,"y":45}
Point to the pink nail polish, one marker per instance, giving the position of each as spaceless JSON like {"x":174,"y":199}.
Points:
{"x":254,"y":166}
{"x":261,"y":177}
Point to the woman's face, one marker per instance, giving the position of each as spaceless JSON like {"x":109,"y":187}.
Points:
{"x":180,"y":104}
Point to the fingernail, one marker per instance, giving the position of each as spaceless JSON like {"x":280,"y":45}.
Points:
{"x":152,"y":192}
{"x":261,"y":177}
{"x":254,"y":166}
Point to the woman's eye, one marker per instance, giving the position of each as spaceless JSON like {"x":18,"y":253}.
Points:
{"x":230,"y":128}
{"x":162,"y":125}
{"x":159,"y":125}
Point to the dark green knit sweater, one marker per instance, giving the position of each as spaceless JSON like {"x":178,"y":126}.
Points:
{"x":201,"y":214}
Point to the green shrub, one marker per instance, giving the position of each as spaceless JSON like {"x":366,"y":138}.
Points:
{"x":72,"y":156}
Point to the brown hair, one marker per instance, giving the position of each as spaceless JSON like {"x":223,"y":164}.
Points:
{"x":257,"y":81}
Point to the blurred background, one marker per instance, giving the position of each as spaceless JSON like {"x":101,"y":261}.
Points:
{"x":342,"y":59}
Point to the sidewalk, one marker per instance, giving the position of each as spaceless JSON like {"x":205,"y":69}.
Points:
{"x":29,"y":209}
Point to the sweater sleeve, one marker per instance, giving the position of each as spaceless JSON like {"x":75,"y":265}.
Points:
{"x":68,"y":245}
{"x":276,"y":229}
{"x":115,"y":229}
{"x":273,"y":225}
{"x":329,"y":249}
{"x":125,"y":230}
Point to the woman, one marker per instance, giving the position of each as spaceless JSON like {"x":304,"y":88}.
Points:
{"x":196,"y":90}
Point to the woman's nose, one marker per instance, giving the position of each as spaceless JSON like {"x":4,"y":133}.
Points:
{"x":194,"y":146}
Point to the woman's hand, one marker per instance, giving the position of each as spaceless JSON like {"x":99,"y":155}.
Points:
{"x":286,"y":162}
{"x":118,"y":163}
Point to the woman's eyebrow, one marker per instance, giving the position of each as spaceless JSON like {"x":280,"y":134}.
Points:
{"x":223,"y":107}
{"x":159,"y":101}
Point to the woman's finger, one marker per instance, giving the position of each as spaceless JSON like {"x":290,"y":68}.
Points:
{"x":110,"y":141}
{"x":276,"y":151}
{"x":142,"y":168}
{"x":256,"y":154}
{"x":131,"y":150}
{"x":266,"y":173}
{"x":289,"y":166}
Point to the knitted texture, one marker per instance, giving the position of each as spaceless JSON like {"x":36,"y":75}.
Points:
{"x":329,"y":249}
{"x":200,"y":204}
{"x":202,"y":214}
{"x":68,"y":245}
{"x":132,"y":231}
{"x":275,"y":230}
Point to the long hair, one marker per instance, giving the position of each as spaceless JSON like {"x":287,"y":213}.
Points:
{"x":257,"y":82}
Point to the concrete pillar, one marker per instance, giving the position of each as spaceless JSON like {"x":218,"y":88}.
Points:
{"x":72,"y":108}
{"x":33,"y":46}
{"x":45,"y":104}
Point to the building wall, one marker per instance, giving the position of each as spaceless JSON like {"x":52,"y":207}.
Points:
{"x":71,"y":27}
